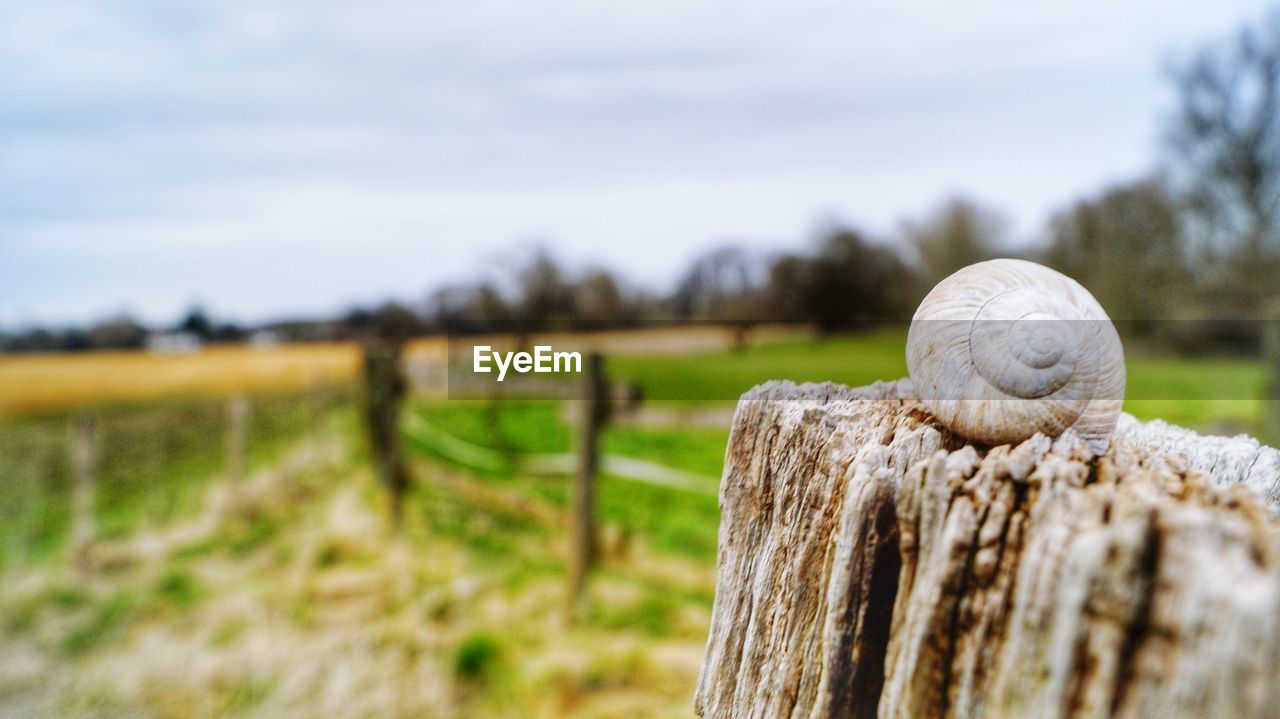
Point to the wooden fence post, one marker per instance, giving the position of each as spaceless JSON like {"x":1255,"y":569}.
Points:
{"x":84,"y":461}
{"x":384,"y":392}
{"x":237,"y":437}
{"x":318,"y":397}
{"x":592,"y":409}
{"x":872,"y":565}
{"x":1271,"y":355}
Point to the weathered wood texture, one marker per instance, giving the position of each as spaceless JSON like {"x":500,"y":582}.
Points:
{"x":871,"y":564}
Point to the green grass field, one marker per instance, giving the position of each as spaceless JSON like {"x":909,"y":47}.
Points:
{"x":1200,"y":393}
{"x":724,"y":376}
{"x":673,"y":521}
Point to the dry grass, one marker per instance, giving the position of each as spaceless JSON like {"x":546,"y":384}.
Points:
{"x":48,"y":382}
{"x":324,"y":613}
{"x":44,"y":382}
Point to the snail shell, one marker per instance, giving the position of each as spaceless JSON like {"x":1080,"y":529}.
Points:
{"x":1004,"y":349}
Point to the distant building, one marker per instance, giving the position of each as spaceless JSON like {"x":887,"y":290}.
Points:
{"x":174,"y":343}
{"x":266,"y":339}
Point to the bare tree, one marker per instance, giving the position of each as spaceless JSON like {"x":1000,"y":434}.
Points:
{"x":850,"y":284}
{"x":488,"y":305}
{"x":960,"y":233}
{"x":545,"y":293}
{"x":1126,"y":246}
{"x":1226,"y":141}
{"x":789,"y":277}
{"x":719,"y":285}
{"x":598,"y":298}
{"x":121,"y":332}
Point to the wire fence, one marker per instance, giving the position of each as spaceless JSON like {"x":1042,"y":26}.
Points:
{"x":472,"y":456}
{"x":107,"y":471}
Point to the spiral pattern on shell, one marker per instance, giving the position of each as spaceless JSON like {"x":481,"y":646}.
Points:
{"x":1004,"y":349}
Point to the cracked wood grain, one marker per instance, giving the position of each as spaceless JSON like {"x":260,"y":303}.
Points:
{"x":872,"y":565}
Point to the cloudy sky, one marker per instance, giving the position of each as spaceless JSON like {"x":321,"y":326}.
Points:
{"x":292,"y":159}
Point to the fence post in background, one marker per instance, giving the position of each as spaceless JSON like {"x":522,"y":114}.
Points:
{"x":741,"y":336}
{"x":384,"y":391}
{"x":593,"y":406}
{"x":1271,"y":355}
{"x":316,"y":402}
{"x":237,"y":437}
{"x":84,"y":461}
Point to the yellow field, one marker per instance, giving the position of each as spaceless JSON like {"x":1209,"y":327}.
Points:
{"x":39,"y":382}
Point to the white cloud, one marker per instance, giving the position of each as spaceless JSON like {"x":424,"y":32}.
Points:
{"x":294,"y":158}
